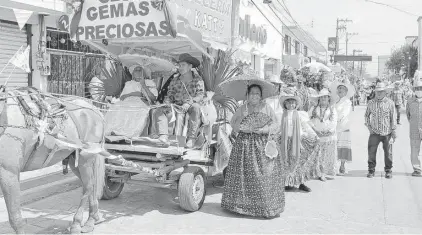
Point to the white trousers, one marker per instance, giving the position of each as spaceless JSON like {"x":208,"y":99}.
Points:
{"x":415,"y":147}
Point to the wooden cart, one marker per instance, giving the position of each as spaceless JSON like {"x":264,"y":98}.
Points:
{"x":175,"y":168}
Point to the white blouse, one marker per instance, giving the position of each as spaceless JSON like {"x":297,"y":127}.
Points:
{"x":326,"y":124}
{"x":343,"y":107}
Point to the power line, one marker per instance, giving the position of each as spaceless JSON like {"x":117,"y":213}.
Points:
{"x":393,"y":7}
{"x":282,"y":36}
{"x":284,"y":6}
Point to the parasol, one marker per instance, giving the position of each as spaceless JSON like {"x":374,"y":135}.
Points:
{"x":316,"y":67}
{"x":236,"y":87}
{"x":154,"y":63}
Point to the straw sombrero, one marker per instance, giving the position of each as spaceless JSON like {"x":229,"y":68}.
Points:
{"x":290,"y":93}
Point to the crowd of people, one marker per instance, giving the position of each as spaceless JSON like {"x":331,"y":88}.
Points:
{"x":310,"y":134}
{"x":284,"y":141}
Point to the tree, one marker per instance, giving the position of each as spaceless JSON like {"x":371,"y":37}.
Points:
{"x":403,"y":59}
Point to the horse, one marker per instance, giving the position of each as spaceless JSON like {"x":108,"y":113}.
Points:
{"x":38,"y":130}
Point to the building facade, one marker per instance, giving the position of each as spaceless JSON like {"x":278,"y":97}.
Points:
{"x":57,"y":64}
{"x":298,"y":45}
{"x":23,"y":23}
{"x":258,"y":38}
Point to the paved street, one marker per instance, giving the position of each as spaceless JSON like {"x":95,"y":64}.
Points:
{"x":350,"y":204}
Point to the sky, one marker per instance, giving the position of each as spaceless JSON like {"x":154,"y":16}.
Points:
{"x":379,"y":28}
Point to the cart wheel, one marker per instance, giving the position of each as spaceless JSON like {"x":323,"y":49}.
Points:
{"x":191,"y":188}
{"x":111,"y":189}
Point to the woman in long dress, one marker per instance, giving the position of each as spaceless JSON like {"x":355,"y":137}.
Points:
{"x":296,"y":142}
{"x":343,"y":107}
{"x":129,"y":116}
{"x":324,"y":122}
{"x":253,"y":183}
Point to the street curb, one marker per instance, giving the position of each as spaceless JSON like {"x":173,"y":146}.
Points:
{"x":60,"y":186}
{"x":40,"y":187}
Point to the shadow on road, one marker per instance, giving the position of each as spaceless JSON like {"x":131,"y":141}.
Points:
{"x":49,"y":225}
{"x":215,"y":209}
{"x":363,"y":173}
{"x":54,"y":214}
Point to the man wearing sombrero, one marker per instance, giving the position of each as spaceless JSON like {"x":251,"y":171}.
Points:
{"x":414,"y":115}
{"x":397,"y":96}
{"x":187,"y":91}
{"x":380,"y":120}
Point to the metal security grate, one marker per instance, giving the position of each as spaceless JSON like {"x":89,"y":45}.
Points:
{"x":72,"y":64}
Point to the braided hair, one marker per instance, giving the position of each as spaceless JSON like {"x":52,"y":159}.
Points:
{"x":315,"y":115}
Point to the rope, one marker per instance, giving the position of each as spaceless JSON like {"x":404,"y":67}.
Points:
{"x":53,"y":96}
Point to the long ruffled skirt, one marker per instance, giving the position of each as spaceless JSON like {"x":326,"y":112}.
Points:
{"x":253,"y":183}
{"x":326,"y":157}
{"x":298,"y":171}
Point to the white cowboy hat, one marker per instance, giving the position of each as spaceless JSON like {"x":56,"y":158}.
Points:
{"x":350,"y":88}
{"x":290,"y":93}
{"x":382,"y":87}
{"x":323,"y":92}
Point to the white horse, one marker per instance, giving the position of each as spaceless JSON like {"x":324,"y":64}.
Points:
{"x":33,"y":135}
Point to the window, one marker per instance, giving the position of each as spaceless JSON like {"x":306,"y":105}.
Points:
{"x":297,"y":47}
{"x":287,"y":45}
{"x":305,"y":51}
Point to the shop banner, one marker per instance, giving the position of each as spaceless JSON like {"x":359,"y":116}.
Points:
{"x":212,"y":18}
{"x":107,"y":19}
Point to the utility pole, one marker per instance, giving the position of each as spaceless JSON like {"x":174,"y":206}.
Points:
{"x":354,"y":51}
{"x":348,"y":36}
{"x":338,"y":27}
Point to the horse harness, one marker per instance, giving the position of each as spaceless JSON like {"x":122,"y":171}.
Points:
{"x":41,"y":112}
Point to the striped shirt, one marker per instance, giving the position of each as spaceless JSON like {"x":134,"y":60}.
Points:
{"x":414,"y":115}
{"x":380,"y":116}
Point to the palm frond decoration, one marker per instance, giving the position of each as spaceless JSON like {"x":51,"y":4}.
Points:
{"x":111,"y":82}
{"x":214,"y":73}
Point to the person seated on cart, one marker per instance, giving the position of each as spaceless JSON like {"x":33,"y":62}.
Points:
{"x":129,"y":116}
{"x":186,"y":91}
